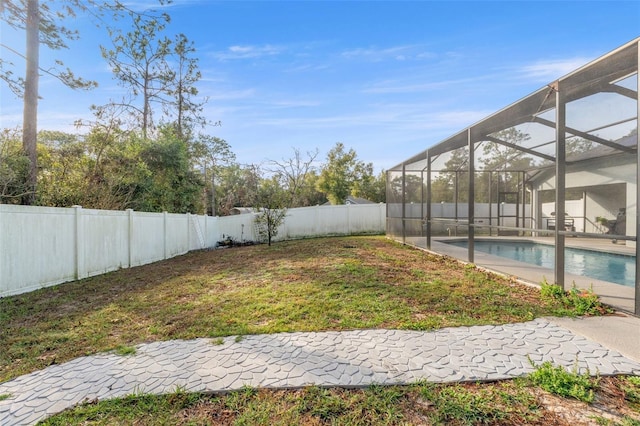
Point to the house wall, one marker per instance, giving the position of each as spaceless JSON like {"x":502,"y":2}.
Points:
{"x":609,"y":185}
{"x":45,"y":246}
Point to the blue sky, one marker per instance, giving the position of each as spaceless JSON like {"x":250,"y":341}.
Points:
{"x":386,"y":78}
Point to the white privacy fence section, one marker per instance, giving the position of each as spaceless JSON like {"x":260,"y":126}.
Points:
{"x":44,"y":246}
{"x":317,"y":221}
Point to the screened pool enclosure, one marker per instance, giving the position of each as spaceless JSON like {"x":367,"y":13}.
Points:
{"x":558,"y":168}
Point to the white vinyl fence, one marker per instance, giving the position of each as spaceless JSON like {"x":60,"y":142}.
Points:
{"x":45,"y":246}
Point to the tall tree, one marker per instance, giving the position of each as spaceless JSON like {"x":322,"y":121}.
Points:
{"x":187,"y":109}
{"x":372,"y":188}
{"x":41,"y":24}
{"x":30,"y":113}
{"x":173,"y":185}
{"x":138,"y":60}
{"x":292,"y":173}
{"x":237,"y":186}
{"x":211,"y":153}
{"x":452,"y":178}
{"x":14,"y":166}
{"x":62,"y":160}
{"x":308,"y":193}
{"x":506,"y":160}
{"x":340,"y":172}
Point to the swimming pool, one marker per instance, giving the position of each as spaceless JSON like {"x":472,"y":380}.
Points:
{"x":615,"y":268}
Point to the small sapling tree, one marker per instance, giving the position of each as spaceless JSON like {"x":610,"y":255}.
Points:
{"x":271,"y":205}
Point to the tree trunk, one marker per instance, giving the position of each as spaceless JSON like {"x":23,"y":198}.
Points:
{"x":30,"y":113}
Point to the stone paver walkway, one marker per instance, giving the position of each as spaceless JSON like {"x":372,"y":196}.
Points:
{"x":289,"y":360}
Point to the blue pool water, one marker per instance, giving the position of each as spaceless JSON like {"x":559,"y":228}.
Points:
{"x":615,"y":268}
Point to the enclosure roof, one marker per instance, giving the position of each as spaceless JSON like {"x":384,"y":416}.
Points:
{"x":598,"y":76}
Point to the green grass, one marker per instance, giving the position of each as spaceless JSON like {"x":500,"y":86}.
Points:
{"x":512,"y":402}
{"x":124,"y":350}
{"x":306,"y":285}
{"x":375,"y":405}
{"x":507,"y":402}
{"x":631,"y":388}
{"x":217,"y":341}
{"x":559,"y":381}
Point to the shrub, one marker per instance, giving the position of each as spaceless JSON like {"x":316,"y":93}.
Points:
{"x":568,"y":384}
{"x":580,"y":301}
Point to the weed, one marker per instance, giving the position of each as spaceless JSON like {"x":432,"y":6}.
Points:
{"x":124,"y":350}
{"x":217,"y":341}
{"x":4,"y":396}
{"x":560,"y":381}
{"x":239,"y":338}
{"x":631,"y":388}
{"x":634,"y":380}
{"x":577,"y":301}
{"x":551,"y":292}
{"x":586,"y":302}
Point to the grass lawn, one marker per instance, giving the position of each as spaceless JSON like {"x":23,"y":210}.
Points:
{"x":515,"y":402}
{"x":306,"y":285}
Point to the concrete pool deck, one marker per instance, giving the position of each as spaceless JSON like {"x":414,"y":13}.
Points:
{"x":618,"y":296}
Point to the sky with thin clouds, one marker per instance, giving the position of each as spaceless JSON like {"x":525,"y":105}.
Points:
{"x":386,"y":78}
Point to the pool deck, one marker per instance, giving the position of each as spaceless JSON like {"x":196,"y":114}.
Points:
{"x":618,"y":296}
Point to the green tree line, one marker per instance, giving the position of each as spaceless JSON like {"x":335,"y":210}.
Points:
{"x":118,"y":170}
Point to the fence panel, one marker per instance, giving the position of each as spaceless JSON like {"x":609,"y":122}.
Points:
{"x":177,"y":234}
{"x":147,"y":238}
{"x":104,"y":240}
{"x":37,"y":247}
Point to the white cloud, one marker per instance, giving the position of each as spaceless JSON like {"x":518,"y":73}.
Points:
{"x":294,"y":104}
{"x":552,"y":69}
{"x":308,"y":67}
{"x":247,"y":52}
{"x":398,"y":53}
{"x":394,"y":86}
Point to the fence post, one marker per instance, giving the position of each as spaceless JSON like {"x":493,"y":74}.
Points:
{"x":316,"y":226}
{"x":80,"y":268}
{"x":165,"y":239}
{"x":130,"y":236}
{"x":188,"y":232}
{"x":206,"y":235}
